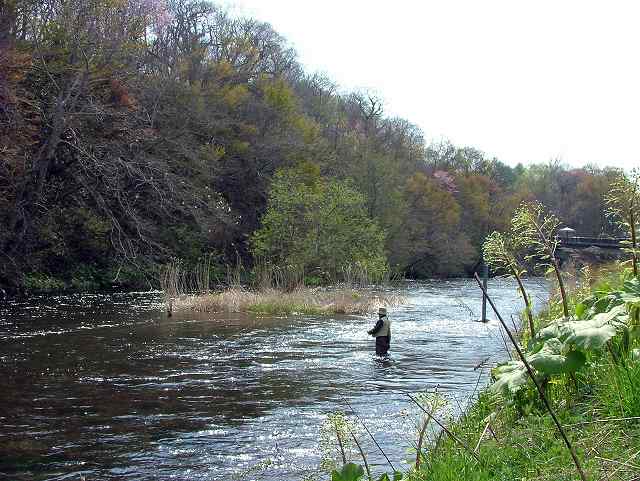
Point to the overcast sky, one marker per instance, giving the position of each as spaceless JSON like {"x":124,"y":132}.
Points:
{"x":524,"y":81}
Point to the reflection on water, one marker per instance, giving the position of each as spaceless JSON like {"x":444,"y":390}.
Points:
{"x":106,"y":387}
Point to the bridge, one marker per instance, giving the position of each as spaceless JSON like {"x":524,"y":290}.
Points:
{"x":579,"y":242}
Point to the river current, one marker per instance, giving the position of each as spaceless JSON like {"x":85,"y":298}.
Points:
{"x":106,"y":387}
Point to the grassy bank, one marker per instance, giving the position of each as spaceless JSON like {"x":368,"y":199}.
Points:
{"x":598,"y":415}
{"x":588,"y":367}
{"x":302,"y":300}
{"x":597,"y":403}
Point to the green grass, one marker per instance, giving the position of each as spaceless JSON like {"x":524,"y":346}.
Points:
{"x":588,"y":404}
{"x":618,"y":389}
{"x":528,"y":447}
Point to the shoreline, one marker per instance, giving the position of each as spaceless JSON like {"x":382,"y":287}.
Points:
{"x":507,"y":434}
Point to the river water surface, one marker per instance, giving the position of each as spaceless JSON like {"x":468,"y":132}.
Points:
{"x":99,"y":387}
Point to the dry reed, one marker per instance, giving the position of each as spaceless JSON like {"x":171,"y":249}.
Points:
{"x":277,"y":291}
{"x":302,"y":300}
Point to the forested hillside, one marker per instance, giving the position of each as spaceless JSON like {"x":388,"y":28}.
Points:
{"x":135,"y":131}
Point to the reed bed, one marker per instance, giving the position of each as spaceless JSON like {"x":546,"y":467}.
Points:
{"x":302,"y":300}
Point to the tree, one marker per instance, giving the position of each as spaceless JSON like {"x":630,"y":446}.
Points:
{"x":430,"y":241}
{"x":499,"y":253}
{"x":319,"y":225}
{"x":535,"y":229}
{"x":623,"y":201}
{"x":132,"y":131}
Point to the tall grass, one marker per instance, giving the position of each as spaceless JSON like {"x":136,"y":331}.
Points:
{"x":177,"y":279}
{"x":274,"y":290}
{"x":310,"y":301}
{"x":618,"y":388}
{"x":285,"y":278}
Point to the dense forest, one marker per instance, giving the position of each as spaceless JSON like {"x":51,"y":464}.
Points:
{"x":136,"y":131}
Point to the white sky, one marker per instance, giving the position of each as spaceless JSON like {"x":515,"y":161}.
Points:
{"x":524,"y":81}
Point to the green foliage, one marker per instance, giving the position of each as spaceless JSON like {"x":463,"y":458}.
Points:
{"x":430,"y":239}
{"x":320,"y":225}
{"x":279,"y":96}
{"x":167,"y":122}
{"x":551,"y":358}
{"x":349,"y":472}
{"x":534,"y":230}
{"x":455,"y":467}
{"x":624,"y":400}
{"x":336,"y":445}
{"x":509,"y":378}
{"x":623,"y":205}
{"x":586,"y":334}
{"x":353,"y":472}
{"x":499,"y":253}
{"x":593,"y":383}
{"x":564,"y":347}
{"x":40,"y":282}
{"x":396,"y":476}
{"x":86,"y":278}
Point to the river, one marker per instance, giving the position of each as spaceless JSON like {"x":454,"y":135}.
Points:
{"x":100,"y":387}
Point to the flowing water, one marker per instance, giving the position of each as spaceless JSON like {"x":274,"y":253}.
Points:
{"x":107,"y":387}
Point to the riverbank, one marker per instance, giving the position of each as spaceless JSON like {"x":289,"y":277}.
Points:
{"x":508,"y":432}
{"x":579,"y":420}
{"x":302,"y":300}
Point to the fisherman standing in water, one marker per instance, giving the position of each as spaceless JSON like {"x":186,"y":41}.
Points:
{"x":382,"y":332}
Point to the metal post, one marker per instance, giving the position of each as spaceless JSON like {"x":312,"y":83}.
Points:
{"x":485,"y":277}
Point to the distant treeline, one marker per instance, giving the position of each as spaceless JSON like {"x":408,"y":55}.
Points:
{"x":135,"y":131}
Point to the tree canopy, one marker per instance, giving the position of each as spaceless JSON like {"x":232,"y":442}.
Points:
{"x":133,"y":131}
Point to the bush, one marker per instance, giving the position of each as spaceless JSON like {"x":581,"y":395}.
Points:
{"x":40,"y":282}
{"x":320,"y":226}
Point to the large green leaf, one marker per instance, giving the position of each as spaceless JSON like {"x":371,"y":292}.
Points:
{"x":397,"y":476}
{"x":630,"y":298}
{"x":509,"y":377}
{"x":574,"y":361}
{"x":632,"y":286}
{"x":592,"y":337}
{"x":594,"y":333}
{"x":580,"y":310}
{"x":603,"y":301}
{"x":550,"y":359}
{"x":589,"y":334}
{"x":557,"y":329}
{"x":349,"y":472}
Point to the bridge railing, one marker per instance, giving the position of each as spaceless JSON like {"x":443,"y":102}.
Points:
{"x":579,"y":241}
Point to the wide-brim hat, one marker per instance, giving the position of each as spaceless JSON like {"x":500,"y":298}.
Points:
{"x":382,"y":311}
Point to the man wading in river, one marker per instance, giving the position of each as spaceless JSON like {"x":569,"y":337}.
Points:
{"x":382,"y":331}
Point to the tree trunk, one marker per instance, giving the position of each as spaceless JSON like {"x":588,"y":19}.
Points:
{"x":563,"y":293}
{"x":634,"y":243}
{"x":527,"y":305}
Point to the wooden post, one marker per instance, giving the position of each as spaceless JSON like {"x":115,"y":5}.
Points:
{"x":485,"y":278}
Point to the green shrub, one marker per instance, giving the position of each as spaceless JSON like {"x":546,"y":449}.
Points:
{"x":40,"y":282}
{"x":319,"y":225}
